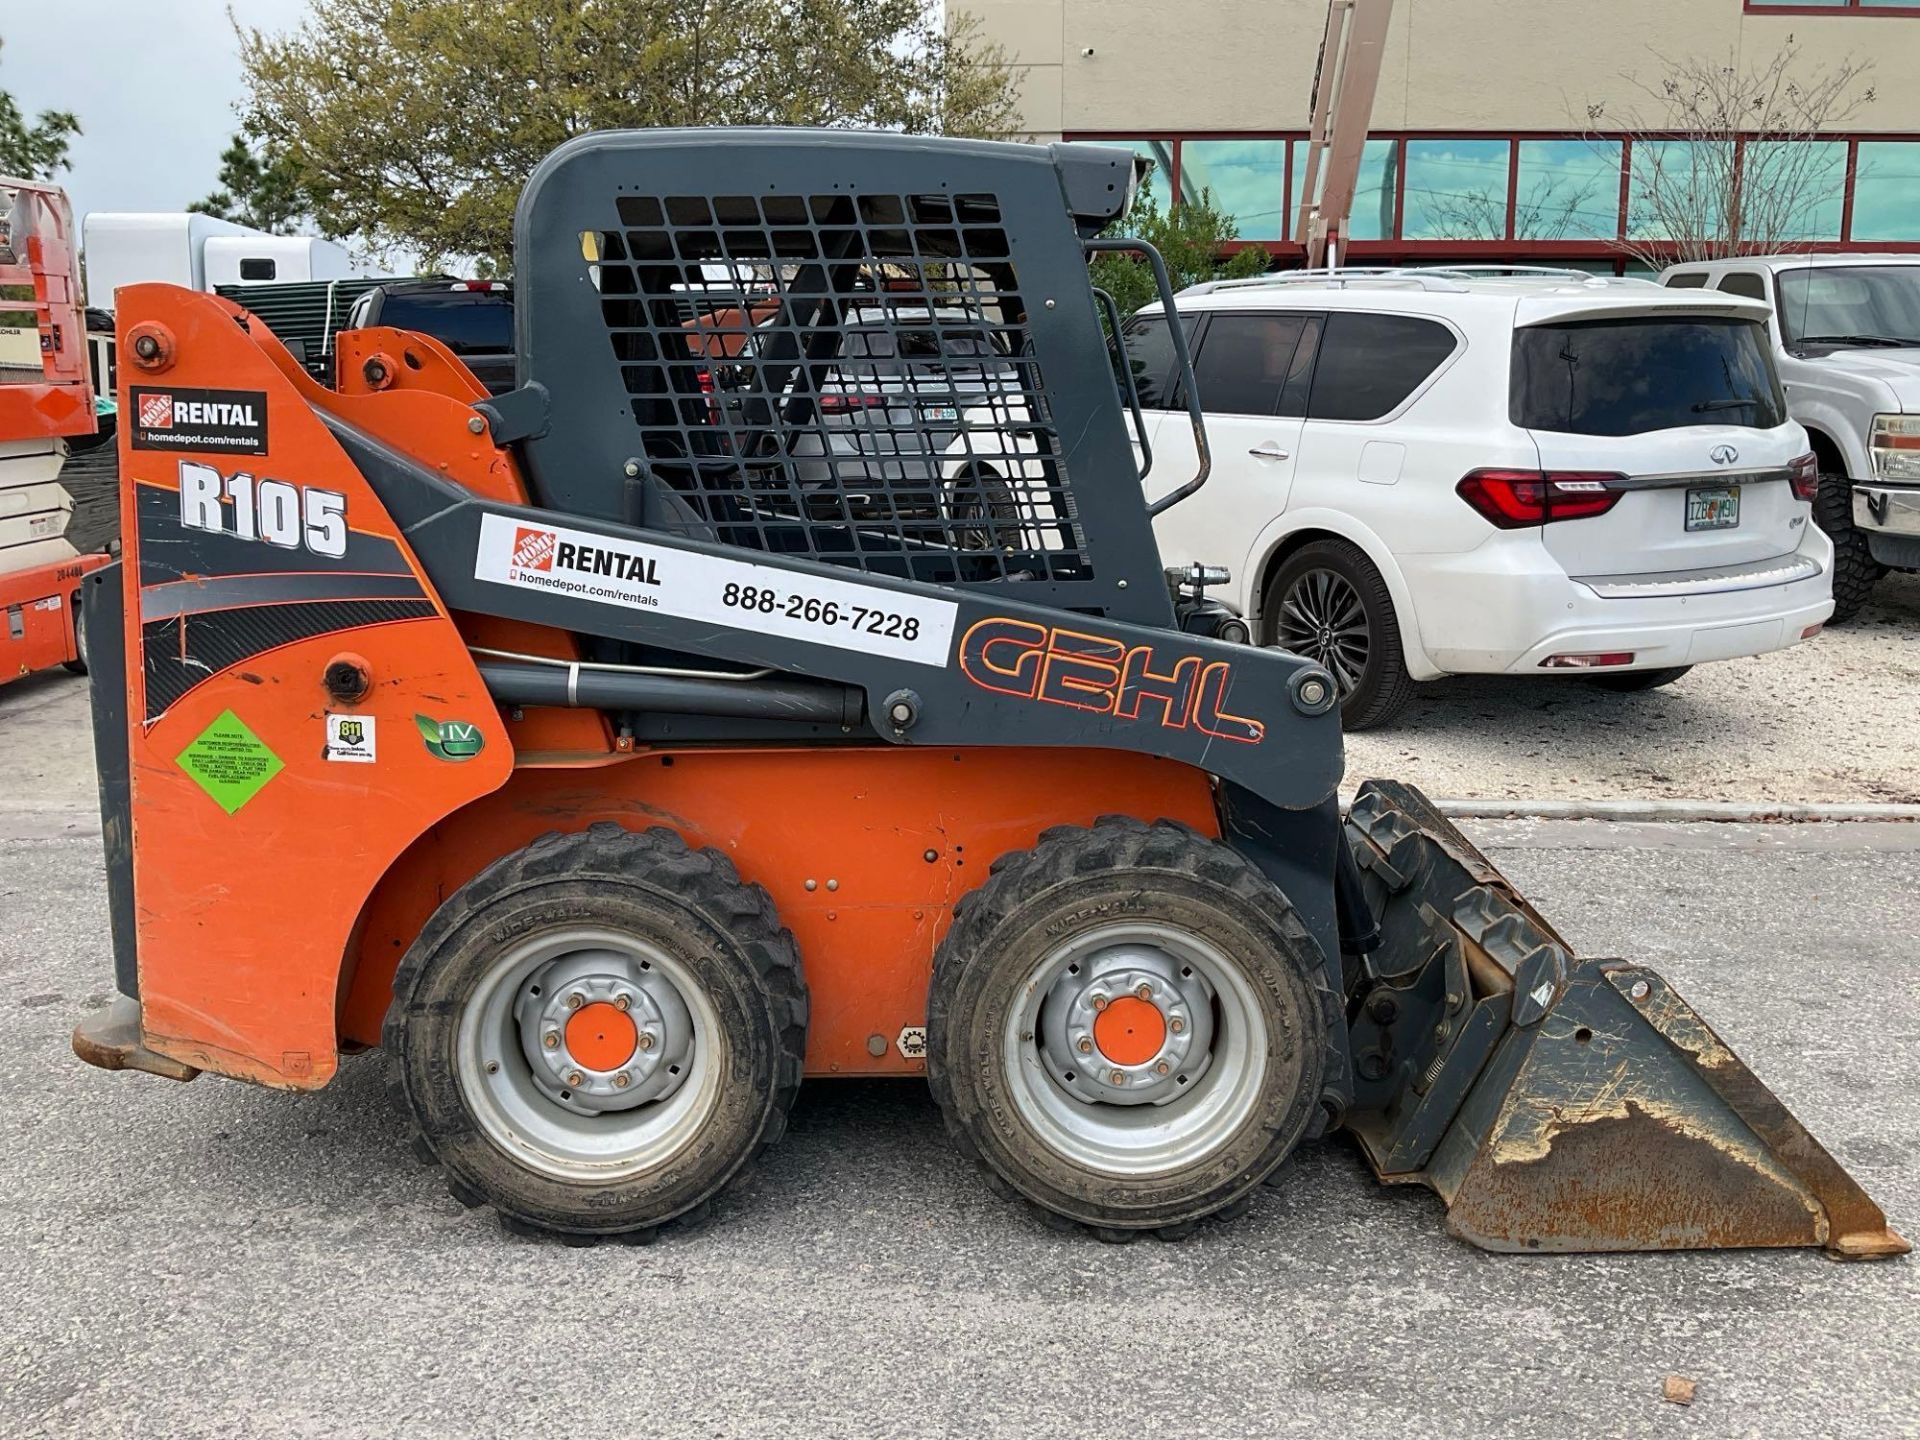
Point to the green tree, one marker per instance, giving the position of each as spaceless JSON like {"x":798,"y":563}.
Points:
{"x":36,"y":151}
{"x":262,"y":190}
{"x":1190,"y":238}
{"x":414,"y":123}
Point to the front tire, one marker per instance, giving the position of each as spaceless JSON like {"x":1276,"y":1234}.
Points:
{"x":1127,"y":1027}
{"x":1855,"y":571}
{"x":598,"y":1032}
{"x":1328,"y":603}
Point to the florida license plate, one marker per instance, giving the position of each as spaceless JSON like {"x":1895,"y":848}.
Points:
{"x":1713,"y":508}
{"x":939,"y":414}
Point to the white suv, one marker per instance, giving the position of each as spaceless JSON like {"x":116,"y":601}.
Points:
{"x":1424,"y":472}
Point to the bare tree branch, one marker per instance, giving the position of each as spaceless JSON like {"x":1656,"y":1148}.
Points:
{"x":1731,"y":161}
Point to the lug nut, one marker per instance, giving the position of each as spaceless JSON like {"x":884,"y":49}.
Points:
{"x":1162,"y":1068}
{"x":1099,"y":1003}
{"x":1143,"y":990}
{"x":622,"y":1080}
{"x":645,"y":1042}
{"x":1084,"y":1045}
{"x":623,"y":1002}
{"x":1119,"y":1077}
{"x":576,"y":1000}
{"x":1177,"y":1025}
{"x":551,"y":1041}
{"x":576,"y":1079}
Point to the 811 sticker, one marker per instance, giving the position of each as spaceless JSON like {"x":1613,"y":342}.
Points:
{"x":738,"y":593}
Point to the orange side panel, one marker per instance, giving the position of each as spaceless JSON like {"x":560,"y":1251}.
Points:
{"x":37,"y":615}
{"x":246,"y":890}
{"x":864,"y":850}
{"x":422,"y":405}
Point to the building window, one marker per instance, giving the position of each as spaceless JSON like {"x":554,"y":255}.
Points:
{"x":1679,"y":186}
{"x":1456,"y":190}
{"x":1886,"y":191}
{"x":1375,"y":191}
{"x":1160,"y":152}
{"x":1793,"y":190}
{"x":1567,"y":190}
{"x":1560,"y":200}
{"x":1248,"y":180}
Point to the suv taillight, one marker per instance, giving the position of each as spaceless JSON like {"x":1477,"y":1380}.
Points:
{"x":1895,"y":445}
{"x":1803,"y":473}
{"x":845,"y":402}
{"x":1517,"y":499}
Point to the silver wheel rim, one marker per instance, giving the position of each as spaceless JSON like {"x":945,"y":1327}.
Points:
{"x":1323,"y":619}
{"x":519,"y":1085}
{"x":1165,"y":1122}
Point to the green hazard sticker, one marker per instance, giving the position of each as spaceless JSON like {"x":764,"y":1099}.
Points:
{"x":229,"y":762}
{"x":450,"y":739}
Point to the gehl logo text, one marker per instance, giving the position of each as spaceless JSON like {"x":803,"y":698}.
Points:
{"x":1094,"y":672}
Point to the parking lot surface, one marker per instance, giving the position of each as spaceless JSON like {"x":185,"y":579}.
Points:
{"x":211,"y":1259}
{"x":1828,"y":720}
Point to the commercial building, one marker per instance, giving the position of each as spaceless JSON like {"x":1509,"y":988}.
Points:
{"x":1501,"y":130}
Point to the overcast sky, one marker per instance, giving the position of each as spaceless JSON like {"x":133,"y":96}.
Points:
{"x":154,"y":83}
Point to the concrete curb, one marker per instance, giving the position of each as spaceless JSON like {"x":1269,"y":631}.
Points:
{"x":1671,"y":811}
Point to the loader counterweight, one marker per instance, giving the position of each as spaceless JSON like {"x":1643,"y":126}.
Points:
{"x":618,"y":749}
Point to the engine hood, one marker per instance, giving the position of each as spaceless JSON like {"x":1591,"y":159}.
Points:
{"x":1898,"y":370}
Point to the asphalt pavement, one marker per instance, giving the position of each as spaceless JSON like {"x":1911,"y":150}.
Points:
{"x":217,"y":1260}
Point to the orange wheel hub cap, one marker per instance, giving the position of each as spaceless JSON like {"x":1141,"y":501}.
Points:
{"x":1130,"y":1031}
{"x":601,"y":1036}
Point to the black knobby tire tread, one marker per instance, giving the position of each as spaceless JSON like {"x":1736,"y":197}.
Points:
{"x":1062,"y":853}
{"x":1393,"y":688}
{"x":1855,"y":571}
{"x":704,"y":880}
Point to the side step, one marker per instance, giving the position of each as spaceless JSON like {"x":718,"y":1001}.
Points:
{"x":111,"y":1040}
{"x":1555,"y":1103}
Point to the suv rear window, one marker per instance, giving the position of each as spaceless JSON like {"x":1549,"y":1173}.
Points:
{"x":1631,"y":376}
{"x":1369,"y":364}
{"x":881,"y":344}
{"x":467,"y":322}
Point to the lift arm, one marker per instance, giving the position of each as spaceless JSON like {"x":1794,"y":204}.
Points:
{"x":1343,"y":91}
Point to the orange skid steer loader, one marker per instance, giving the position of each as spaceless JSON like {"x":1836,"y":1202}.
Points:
{"x":693,"y":718}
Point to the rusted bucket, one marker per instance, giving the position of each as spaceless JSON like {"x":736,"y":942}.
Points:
{"x":1559,"y":1104}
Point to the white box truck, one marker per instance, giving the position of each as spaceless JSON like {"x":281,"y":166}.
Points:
{"x":200,"y":252}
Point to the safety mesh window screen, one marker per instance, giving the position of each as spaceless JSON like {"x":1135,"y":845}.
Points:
{"x":845,"y":377}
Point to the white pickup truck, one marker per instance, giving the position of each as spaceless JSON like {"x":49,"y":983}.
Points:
{"x":1846,"y":336}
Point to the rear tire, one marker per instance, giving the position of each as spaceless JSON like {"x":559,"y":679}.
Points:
{"x":1630,"y":682}
{"x":982,"y":513}
{"x":1855,"y":571}
{"x":1137,"y":916}
{"x":562,"y":1129}
{"x":1329,"y":604}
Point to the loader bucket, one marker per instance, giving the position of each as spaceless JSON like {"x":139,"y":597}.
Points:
{"x":1556,"y":1103}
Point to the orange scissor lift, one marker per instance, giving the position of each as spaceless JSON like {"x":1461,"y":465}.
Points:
{"x":46,"y":399}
